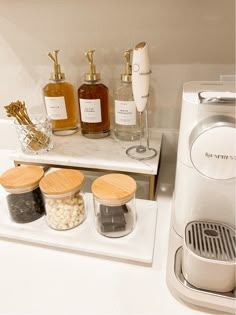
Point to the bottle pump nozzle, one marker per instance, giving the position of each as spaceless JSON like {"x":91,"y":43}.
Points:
{"x":127,"y":76}
{"x":92,"y":75}
{"x":57,"y":75}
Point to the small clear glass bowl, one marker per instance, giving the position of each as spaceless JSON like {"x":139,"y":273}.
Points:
{"x":36,"y":137}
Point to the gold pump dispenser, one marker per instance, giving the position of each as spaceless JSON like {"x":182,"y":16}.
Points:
{"x":127,"y":76}
{"x":92,"y":75}
{"x":57,"y":75}
{"x":60,"y":101}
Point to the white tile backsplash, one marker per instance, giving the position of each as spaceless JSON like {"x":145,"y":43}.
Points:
{"x":8,"y":138}
{"x":188,"y":40}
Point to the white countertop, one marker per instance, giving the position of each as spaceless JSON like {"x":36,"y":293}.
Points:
{"x":36,"y":280}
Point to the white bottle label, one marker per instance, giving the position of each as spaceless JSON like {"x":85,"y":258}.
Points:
{"x":90,"y":110}
{"x":125,"y":113}
{"x":56,"y":107}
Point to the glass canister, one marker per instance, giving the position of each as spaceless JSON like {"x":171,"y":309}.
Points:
{"x":63,"y":198}
{"x":114,"y":204}
{"x":24,"y":198}
{"x":35,"y":137}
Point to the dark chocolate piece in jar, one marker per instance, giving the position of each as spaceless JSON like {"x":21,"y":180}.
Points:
{"x":112,"y":218}
{"x":113,"y":210}
{"x":114,"y":204}
{"x":26,"y":207}
{"x":24,"y":199}
{"x":112,"y":228}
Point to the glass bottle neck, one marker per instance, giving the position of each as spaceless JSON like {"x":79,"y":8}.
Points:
{"x":57,"y":81}
{"x":126,"y":83}
{"x":92,"y":82}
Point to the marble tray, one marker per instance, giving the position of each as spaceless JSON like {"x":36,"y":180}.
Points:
{"x":138,"y":246}
{"x":105,"y":154}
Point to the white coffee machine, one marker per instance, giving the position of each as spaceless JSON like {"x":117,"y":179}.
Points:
{"x":202,"y":247}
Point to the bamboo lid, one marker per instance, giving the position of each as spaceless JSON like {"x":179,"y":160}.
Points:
{"x":114,"y":187}
{"x":22,"y":176}
{"x":61,"y":181}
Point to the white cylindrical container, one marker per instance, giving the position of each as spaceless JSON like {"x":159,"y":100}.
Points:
{"x":63,"y":198}
{"x":114,"y":204}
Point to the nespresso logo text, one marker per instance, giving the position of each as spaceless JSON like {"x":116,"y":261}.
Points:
{"x":220,"y":156}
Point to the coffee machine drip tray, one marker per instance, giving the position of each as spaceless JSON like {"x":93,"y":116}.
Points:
{"x":211,"y":240}
{"x":179,"y":275}
{"x":209,"y":256}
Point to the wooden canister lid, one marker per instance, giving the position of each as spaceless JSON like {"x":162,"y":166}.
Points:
{"x":114,"y":187}
{"x":22,"y":176}
{"x":61,"y":181}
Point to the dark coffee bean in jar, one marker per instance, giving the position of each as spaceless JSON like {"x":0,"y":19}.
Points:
{"x":24,"y":198}
{"x":26,"y":207}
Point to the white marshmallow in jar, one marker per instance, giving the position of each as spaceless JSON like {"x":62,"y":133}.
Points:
{"x":63,"y":199}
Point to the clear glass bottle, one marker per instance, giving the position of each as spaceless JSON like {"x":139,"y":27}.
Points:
{"x":114,"y":204}
{"x":60,"y":101}
{"x":126,"y":122}
{"x":24,"y":198}
{"x":63,"y":199}
{"x":93,"y":98}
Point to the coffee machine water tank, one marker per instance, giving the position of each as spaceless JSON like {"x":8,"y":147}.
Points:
{"x":205,"y":186}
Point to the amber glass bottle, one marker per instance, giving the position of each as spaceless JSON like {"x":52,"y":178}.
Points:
{"x":93,"y":103}
{"x":60,"y":101}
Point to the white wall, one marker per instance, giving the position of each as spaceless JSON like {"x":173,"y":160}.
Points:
{"x":188,"y":40}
